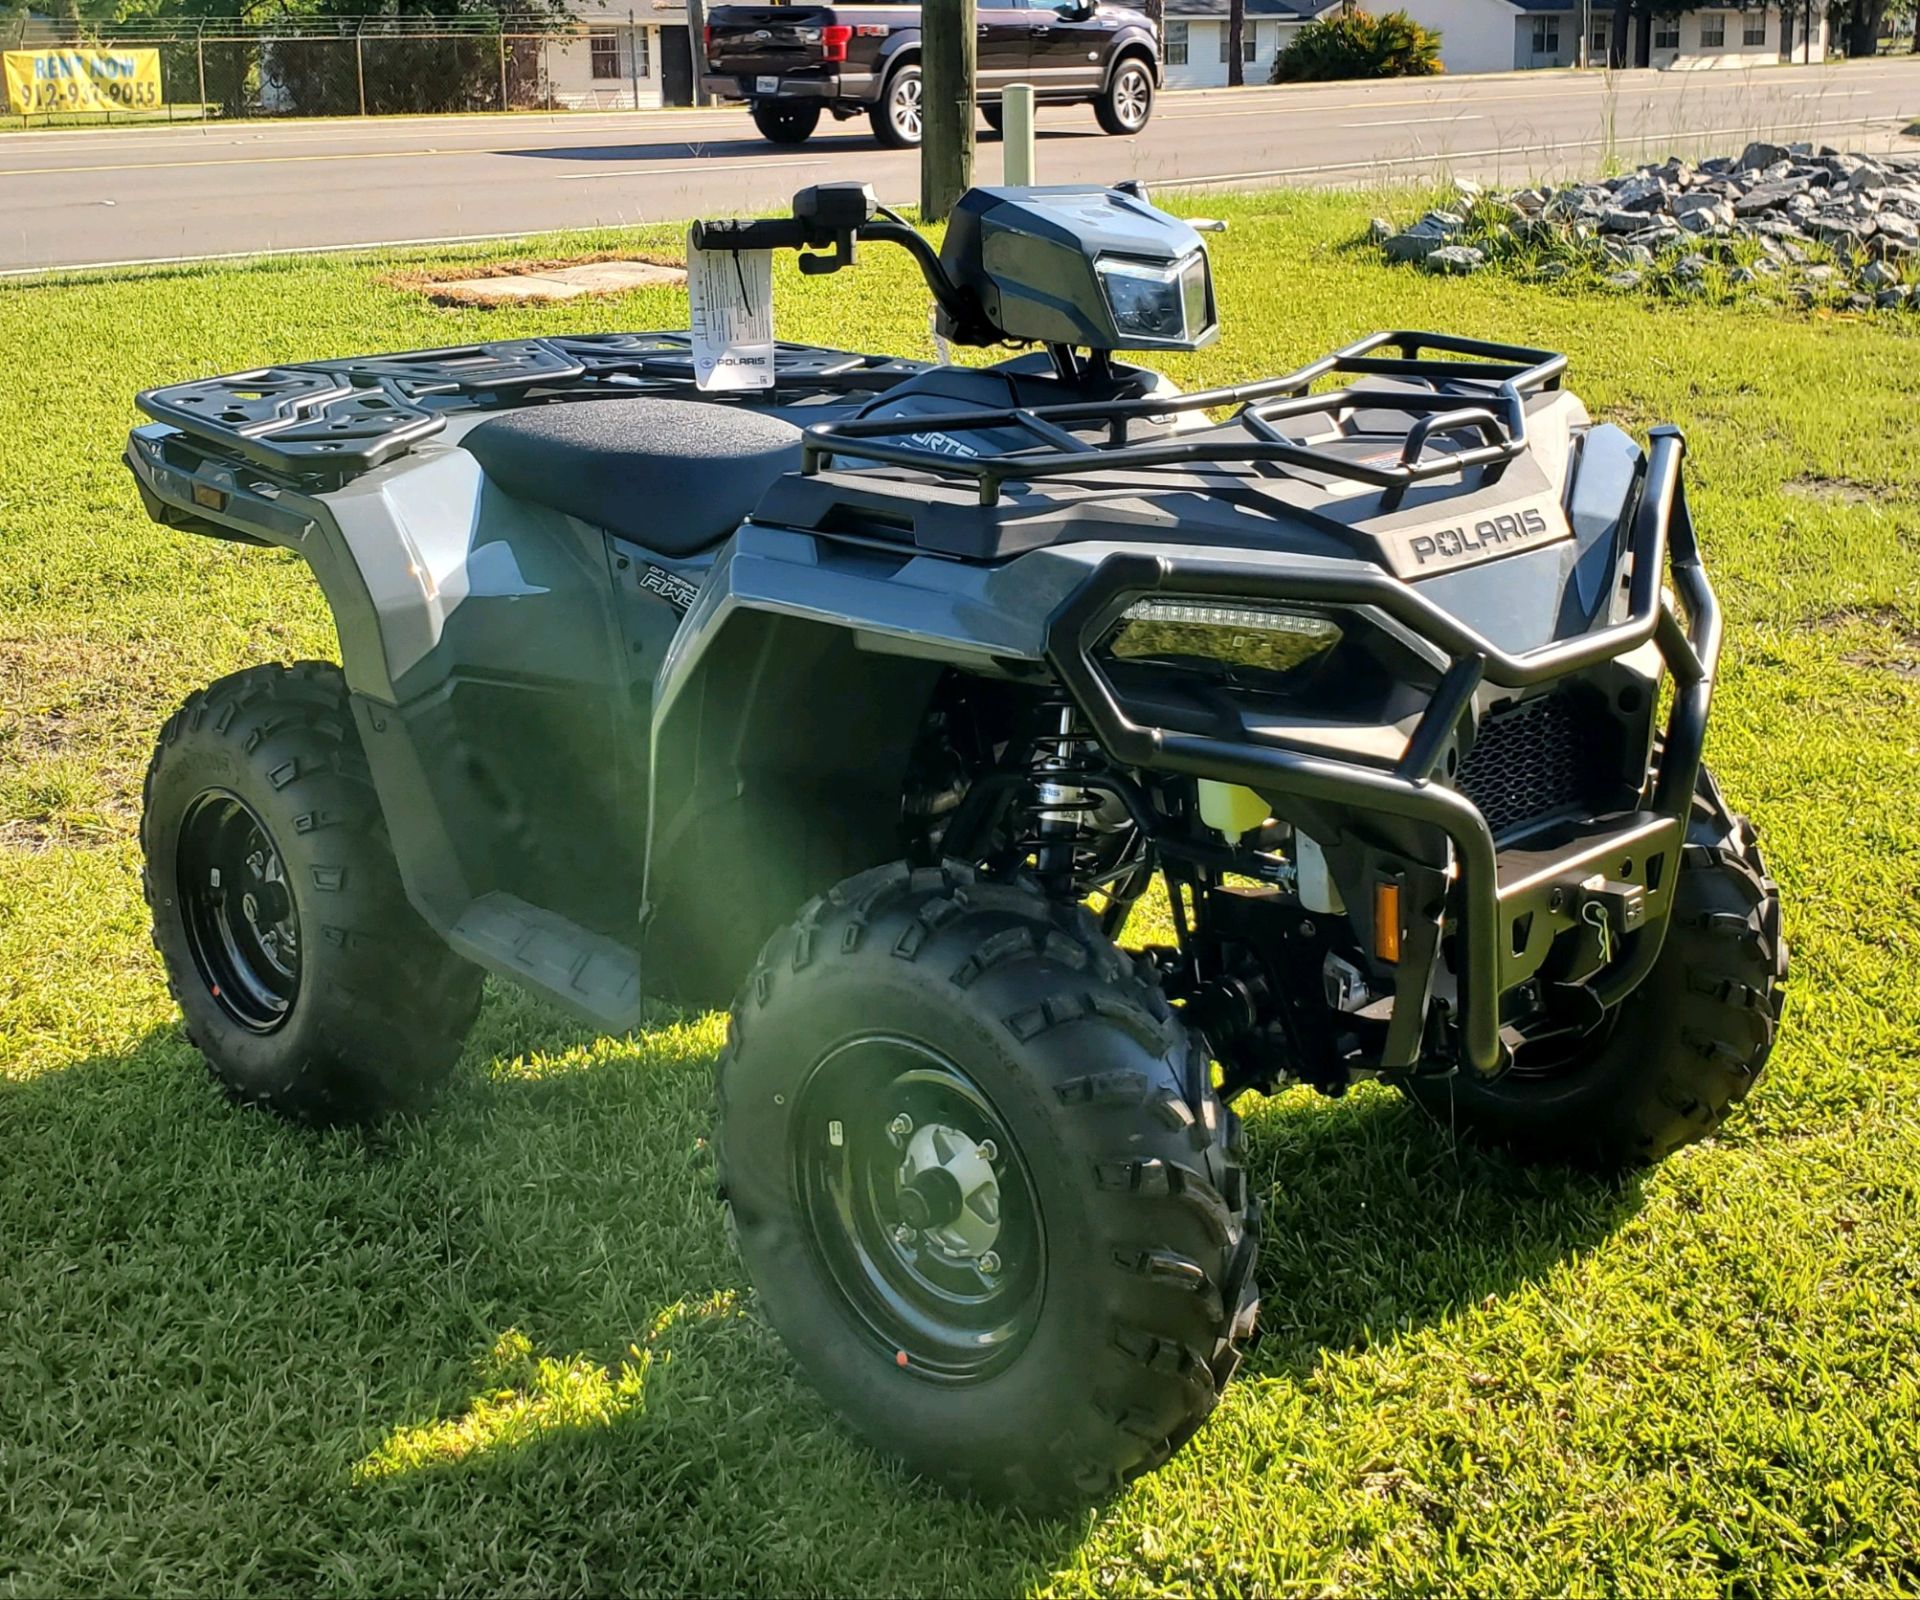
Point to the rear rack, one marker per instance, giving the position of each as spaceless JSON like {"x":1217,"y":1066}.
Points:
{"x":1505,"y":374}
{"x":339,"y":418}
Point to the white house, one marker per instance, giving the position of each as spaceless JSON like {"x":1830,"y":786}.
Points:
{"x":621,"y":58}
{"x":1194,"y":38}
{"x":1505,"y":35}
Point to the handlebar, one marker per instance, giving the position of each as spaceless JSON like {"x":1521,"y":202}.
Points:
{"x":827,"y":223}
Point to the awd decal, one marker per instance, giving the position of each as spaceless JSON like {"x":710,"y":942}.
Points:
{"x":670,"y":586}
{"x":1451,"y":544}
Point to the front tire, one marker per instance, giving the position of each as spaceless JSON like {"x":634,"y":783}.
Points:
{"x":983,"y":1185}
{"x":897,"y":118}
{"x":305,"y":978}
{"x":1672,"y":1060}
{"x":1126,"y":105}
{"x":782,"y":122}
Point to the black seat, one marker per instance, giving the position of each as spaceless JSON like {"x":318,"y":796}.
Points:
{"x":674,"y":475}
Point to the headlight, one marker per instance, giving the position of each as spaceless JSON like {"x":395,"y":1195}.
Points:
{"x":1159,"y":302}
{"x":1256,"y":646}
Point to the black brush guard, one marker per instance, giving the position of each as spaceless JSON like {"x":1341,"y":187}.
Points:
{"x":1494,"y":889}
{"x":1482,"y":399}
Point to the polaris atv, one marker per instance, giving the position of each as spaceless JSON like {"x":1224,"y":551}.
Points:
{"x":874,"y":700}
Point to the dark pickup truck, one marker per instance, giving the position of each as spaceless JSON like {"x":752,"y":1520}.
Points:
{"x":792,"y":62}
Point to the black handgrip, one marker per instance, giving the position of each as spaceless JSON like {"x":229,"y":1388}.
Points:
{"x":765,"y":233}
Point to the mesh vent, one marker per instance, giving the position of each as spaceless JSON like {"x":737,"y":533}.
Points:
{"x":1532,"y":759}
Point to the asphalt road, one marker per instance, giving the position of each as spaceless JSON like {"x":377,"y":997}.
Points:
{"x":113,"y":196}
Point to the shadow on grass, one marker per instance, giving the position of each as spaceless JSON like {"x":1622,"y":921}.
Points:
{"x":506,"y":1345}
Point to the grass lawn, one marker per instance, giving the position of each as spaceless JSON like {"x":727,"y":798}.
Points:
{"x":505,"y":1349}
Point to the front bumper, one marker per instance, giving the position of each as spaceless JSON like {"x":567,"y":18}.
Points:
{"x":1503,"y":903}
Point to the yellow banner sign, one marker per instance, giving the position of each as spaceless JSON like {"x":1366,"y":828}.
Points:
{"x":82,"y":80}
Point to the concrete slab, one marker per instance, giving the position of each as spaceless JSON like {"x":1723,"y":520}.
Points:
{"x":539,"y":282}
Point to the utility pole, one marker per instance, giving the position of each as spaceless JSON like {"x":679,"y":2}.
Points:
{"x":946,"y":105}
{"x":697,"y":48}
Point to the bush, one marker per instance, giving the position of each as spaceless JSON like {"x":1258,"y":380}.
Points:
{"x":1357,"y":44}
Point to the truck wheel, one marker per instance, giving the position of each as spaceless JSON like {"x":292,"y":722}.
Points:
{"x":304,"y":977}
{"x":1128,"y":100}
{"x":1665,"y":1067}
{"x":896,"y":116}
{"x":984,"y":1187}
{"x":783,"y":122}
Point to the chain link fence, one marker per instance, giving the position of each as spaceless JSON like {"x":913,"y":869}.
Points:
{"x":383,"y":66}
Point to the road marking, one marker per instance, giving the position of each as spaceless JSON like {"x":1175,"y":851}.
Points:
{"x":652,"y":170}
{"x":234,"y":161}
{"x":1410,"y":122}
{"x":357,"y":155}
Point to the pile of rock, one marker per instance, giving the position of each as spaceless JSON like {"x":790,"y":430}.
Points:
{"x":1816,"y":224}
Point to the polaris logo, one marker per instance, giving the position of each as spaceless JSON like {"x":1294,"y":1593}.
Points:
{"x":1453,"y":544}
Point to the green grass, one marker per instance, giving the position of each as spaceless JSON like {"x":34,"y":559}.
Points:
{"x":505,"y":1348}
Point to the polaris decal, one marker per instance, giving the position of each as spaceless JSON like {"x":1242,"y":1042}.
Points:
{"x":1418,"y":551}
{"x":1450,"y":544}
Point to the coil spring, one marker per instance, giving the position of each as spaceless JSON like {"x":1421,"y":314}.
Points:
{"x":1054,"y":821}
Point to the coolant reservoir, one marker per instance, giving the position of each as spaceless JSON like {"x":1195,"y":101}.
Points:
{"x":1230,"y":809}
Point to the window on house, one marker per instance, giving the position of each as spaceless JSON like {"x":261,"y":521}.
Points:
{"x":1176,"y":48}
{"x":638,"y":44}
{"x":1713,"y":32}
{"x":1600,"y":43}
{"x":1666,"y":34}
{"x":1546,"y":36}
{"x":1249,"y":42}
{"x":603,"y":49}
{"x":1755,"y":29}
{"x":1224,"y":39}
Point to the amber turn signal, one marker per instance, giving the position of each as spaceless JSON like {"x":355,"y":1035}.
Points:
{"x":1386,"y":921}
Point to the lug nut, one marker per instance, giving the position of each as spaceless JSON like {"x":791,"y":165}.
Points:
{"x":989,"y":1263}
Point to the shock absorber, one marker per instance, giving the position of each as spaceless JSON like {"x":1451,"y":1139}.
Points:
{"x":1057,"y":815}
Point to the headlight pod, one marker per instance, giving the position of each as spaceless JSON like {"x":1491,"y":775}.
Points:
{"x":1254,"y":646}
{"x":1158,"y":302}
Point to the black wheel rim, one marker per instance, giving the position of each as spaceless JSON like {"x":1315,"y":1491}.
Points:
{"x":887,"y":1134}
{"x":242,"y":926}
{"x":1562,"y":1055}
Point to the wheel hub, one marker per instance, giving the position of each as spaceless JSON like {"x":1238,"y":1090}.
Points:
{"x":949,"y":1191}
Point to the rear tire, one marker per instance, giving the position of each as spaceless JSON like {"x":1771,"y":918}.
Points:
{"x":784,"y":122}
{"x":1681,"y":1051}
{"x":304,"y":977}
{"x":896,"y":117}
{"x":1126,"y":105}
{"x":922,"y":1006}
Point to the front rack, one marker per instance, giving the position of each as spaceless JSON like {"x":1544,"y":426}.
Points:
{"x":1506,"y":374}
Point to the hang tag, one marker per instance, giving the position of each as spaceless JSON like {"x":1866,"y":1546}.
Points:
{"x":732,"y":322}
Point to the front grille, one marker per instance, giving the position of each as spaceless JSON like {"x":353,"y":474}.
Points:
{"x":1533,"y":759}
